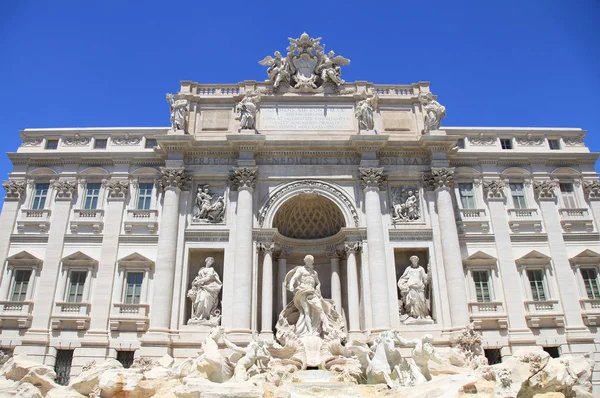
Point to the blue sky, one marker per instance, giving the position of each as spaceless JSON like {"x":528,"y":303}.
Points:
{"x":110,"y":63}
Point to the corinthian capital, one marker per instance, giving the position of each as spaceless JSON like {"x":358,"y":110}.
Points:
{"x":14,"y":189}
{"x":439,"y":178}
{"x":173,"y":177}
{"x":64,"y":189}
{"x":353,"y":247}
{"x":494,"y":189}
{"x":244,"y":177}
{"x":372,"y":177}
{"x":545,"y":189}
{"x":592,"y":189}
{"x":117,"y":189}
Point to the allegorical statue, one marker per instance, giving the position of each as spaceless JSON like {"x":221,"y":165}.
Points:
{"x":364,"y":113}
{"x":178,"y":110}
{"x":413,"y":285}
{"x":205,"y":295}
{"x":406,"y":207}
{"x":207,"y":210}
{"x":434,"y":112}
{"x":309,"y":314}
{"x":278,"y":71}
{"x":329,"y":68}
{"x":246,"y":110}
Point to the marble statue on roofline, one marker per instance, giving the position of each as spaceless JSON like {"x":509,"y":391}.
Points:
{"x":365,"y":109}
{"x":179,"y":107}
{"x":246,"y":110}
{"x":434,"y":112}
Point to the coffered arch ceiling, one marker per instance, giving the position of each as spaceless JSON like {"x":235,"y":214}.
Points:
{"x":308,"y":216}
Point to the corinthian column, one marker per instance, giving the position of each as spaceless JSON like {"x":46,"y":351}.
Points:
{"x":336,"y":283}
{"x":244,"y":179}
{"x":352,"y":281}
{"x":267,"y":289}
{"x":172,"y":181}
{"x":440,"y":180}
{"x":371,"y":179}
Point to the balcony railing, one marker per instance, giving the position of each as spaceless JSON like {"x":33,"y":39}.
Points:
{"x":66,"y":313}
{"x":590,"y":309}
{"x":578,"y":218}
{"x":18,"y":312}
{"x":489,"y":314}
{"x":543,"y":312}
{"x":132,"y":315}
{"x":92,"y":219}
{"x":473,"y":220}
{"x":524,"y":217}
{"x":141,"y":218}
{"x":34,"y":218}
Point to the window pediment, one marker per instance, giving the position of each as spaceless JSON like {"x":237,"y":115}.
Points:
{"x":586,"y":257}
{"x":480,"y":259}
{"x":79,"y":259}
{"x":534,"y":258}
{"x":23,"y":258}
{"x":135,"y":261}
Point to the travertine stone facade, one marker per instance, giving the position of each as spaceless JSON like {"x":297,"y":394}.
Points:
{"x":100,"y":242}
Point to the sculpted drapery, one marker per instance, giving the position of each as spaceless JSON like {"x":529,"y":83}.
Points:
{"x":205,"y":294}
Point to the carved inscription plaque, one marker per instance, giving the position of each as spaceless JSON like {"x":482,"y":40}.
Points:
{"x":317,"y":118}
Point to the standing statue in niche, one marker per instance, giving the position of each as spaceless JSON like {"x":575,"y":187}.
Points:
{"x":434,"y":112}
{"x":364,"y":113}
{"x":205,"y":209}
{"x":413,"y":287}
{"x":178,"y":110}
{"x":205,"y":296}
{"x":246,"y":110}
{"x":309,"y":314}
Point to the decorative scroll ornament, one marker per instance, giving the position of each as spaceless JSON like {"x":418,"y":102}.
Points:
{"x":577,"y":141}
{"x":267,"y":247}
{"x":372,"y":177}
{"x":117,"y":189}
{"x":306,"y":65}
{"x":494,"y":189}
{"x":592,"y":189}
{"x":439,"y":178}
{"x":205,"y":208}
{"x":126,"y":140}
{"x":530,"y":140}
{"x":364,"y":112}
{"x":179,"y":108}
{"x":244,"y":177}
{"x":482,"y":140}
{"x":172,"y":178}
{"x":65,"y":189}
{"x":434,"y":112}
{"x":352,"y":247}
{"x":246,"y":110}
{"x":32,"y":142}
{"x":77,"y":140}
{"x":14,"y":189}
{"x":405,"y":204}
{"x":545,"y":189}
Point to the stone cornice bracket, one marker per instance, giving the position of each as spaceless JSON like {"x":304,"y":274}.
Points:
{"x":369,"y":143}
{"x":352,"y":247}
{"x":592,"y":189}
{"x":14,"y":189}
{"x":372,"y":178}
{"x":494,"y":190}
{"x":65,"y":190}
{"x":173,"y":177}
{"x":544,"y":190}
{"x":439,"y":178}
{"x":244,"y":177}
{"x":117,"y":189}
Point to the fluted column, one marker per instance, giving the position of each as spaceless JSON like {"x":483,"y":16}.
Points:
{"x":440,"y":180}
{"x":352,"y":288}
{"x":372,"y":179}
{"x":281,"y":290}
{"x":336,"y":283}
{"x":172,"y":181}
{"x":267,"y":288}
{"x":244,"y":179}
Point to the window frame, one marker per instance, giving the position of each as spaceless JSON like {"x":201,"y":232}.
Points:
{"x":479,"y":283}
{"x":81,"y":293}
{"x":596,"y":294}
{"x":125,"y":295}
{"x":12,"y":292}
{"x":147,"y":140}
{"x":96,"y":196}
{"x":572,"y":197}
{"x":149,"y":197}
{"x":478,"y":262}
{"x":536,"y":261}
{"x":460,"y":196}
{"x":53,"y":140}
{"x":22,"y":261}
{"x":509,"y":141}
{"x":523,"y":195}
{"x":35,"y":196}
{"x":557,"y":141}
{"x":543,"y":284}
{"x":134,"y":263}
{"x":77,"y":262}
{"x":100,"y":139}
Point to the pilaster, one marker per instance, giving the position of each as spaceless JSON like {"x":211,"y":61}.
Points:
{"x":15,"y":192}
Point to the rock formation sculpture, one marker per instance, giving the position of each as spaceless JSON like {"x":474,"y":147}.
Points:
{"x":204,"y":294}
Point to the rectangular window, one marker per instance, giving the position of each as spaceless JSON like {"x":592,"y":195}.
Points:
{"x":19,"y":291}
{"x":51,"y":144}
{"x":482,"y":286}
{"x":39,"y":196}
{"x":76,"y":285}
{"x":144,"y":196}
{"x":590,"y":280}
{"x":150,"y":143}
{"x":467,"y":196}
{"x":518,"y":196}
{"x":460,"y":143}
{"x":568,"y":195}
{"x":62,"y":366}
{"x":554,"y":144}
{"x":100,"y":143}
{"x":92,"y":192}
{"x":126,"y":358}
{"x":133,"y":289}
{"x":506,"y":143}
{"x":536,"y":281}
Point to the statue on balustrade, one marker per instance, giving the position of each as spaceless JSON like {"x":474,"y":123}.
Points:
{"x":364,"y":113}
{"x":413,"y":285}
{"x":434,"y":112}
{"x":205,"y":296}
{"x":246,"y":110}
{"x":179,"y":107}
{"x":207,"y":210}
{"x":309,"y":314}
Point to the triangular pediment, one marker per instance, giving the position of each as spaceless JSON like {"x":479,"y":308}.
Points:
{"x":23,"y":258}
{"x":586,"y":257}
{"x":534,"y":257}
{"x":79,"y":259}
{"x":480,"y":258}
{"x":135,"y":260}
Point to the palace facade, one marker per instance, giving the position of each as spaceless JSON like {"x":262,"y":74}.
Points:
{"x":104,"y":230}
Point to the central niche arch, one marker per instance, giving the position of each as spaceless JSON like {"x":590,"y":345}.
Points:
{"x":308,"y":216}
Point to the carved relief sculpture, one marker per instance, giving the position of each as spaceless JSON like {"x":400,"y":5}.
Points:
{"x":530,"y":140}
{"x":126,"y":140}
{"x":482,"y":140}
{"x":204,"y":294}
{"x":405,"y":205}
{"x":279,"y":69}
{"x":206,"y":209}
{"x":77,"y":140}
{"x":364,"y":112}
{"x":179,"y":107}
{"x":32,"y":142}
{"x":413,"y":286}
{"x":434,"y":112}
{"x":246,"y":110}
